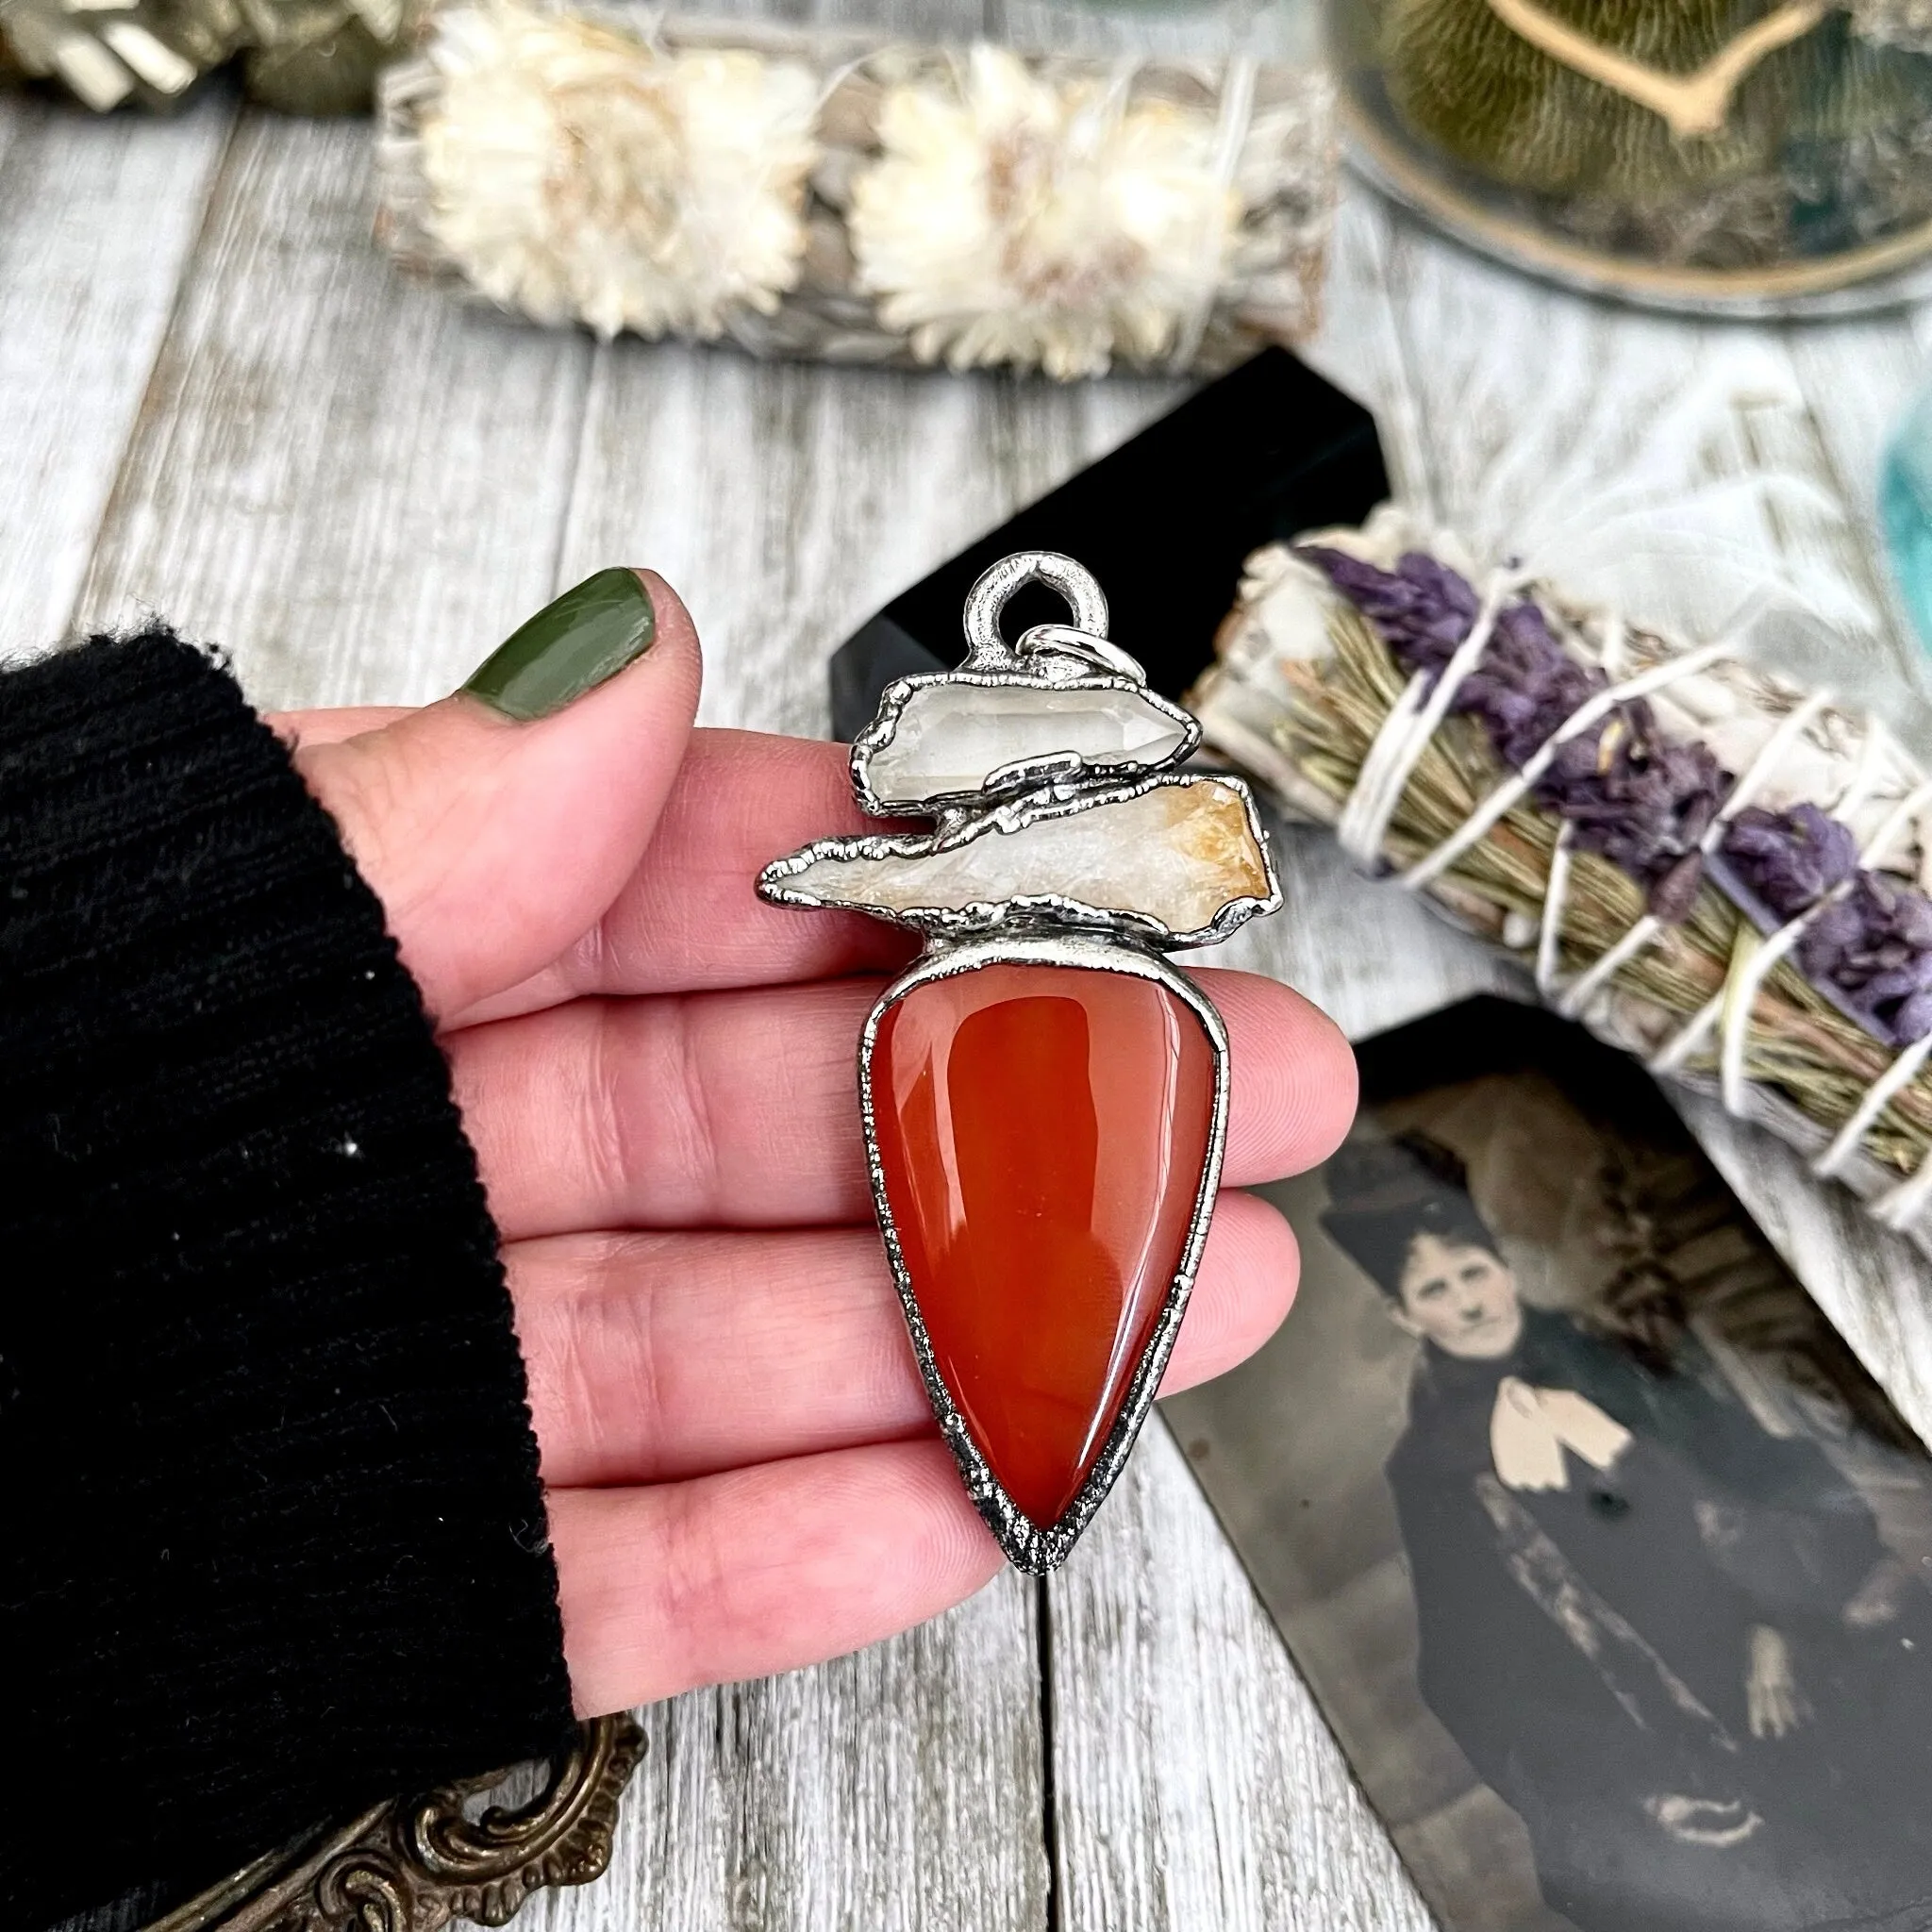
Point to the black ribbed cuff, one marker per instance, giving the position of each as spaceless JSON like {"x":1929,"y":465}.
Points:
{"x":278,"y":1543}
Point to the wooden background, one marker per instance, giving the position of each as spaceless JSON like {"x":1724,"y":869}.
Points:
{"x":217,"y":401}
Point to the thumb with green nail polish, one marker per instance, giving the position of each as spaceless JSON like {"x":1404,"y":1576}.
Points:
{"x":571,"y":646}
{"x":493,"y":849}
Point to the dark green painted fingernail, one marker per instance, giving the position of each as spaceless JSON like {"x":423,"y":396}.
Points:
{"x":569,"y":647}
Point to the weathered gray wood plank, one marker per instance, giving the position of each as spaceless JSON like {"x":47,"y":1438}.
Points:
{"x":787,"y":503}
{"x":902,"y":1788}
{"x":898,"y":1790}
{"x":98,"y":220}
{"x":1230,"y":26}
{"x":1196,"y":1785}
{"x":353,"y":482}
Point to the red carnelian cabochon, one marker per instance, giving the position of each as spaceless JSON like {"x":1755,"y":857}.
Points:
{"x":1042,"y":1131}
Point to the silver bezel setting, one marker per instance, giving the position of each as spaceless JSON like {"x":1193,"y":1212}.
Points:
{"x":1030,"y":1546}
{"x":1032,"y":910}
{"x":1048,"y":929}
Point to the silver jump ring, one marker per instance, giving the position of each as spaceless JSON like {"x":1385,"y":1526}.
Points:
{"x":988,"y":596}
{"x":1063,"y":641}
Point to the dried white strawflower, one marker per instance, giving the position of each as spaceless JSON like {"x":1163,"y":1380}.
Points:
{"x":576,"y":173}
{"x":1013,"y":219}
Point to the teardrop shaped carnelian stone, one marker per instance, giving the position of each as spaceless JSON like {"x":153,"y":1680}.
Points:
{"x":1042,"y":1131}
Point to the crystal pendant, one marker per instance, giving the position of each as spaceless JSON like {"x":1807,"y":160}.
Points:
{"x":1045,"y":1096}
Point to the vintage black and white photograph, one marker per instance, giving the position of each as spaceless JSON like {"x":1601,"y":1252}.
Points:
{"x":1609,"y":1563}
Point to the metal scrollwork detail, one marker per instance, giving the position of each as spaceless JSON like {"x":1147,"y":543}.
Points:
{"x":412,"y":1865}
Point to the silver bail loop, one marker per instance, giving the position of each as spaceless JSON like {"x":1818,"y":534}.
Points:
{"x":1084,"y":639}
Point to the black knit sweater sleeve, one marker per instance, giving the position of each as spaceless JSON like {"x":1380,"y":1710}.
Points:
{"x":277,"y":1543}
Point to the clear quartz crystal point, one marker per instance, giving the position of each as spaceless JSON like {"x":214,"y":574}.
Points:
{"x":948,"y":738}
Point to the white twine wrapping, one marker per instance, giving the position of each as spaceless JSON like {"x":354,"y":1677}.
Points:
{"x":1675,"y":1049}
{"x":1751,"y":974}
{"x":1405,"y":735}
{"x":1734,"y":1001}
{"x":1549,"y":931}
{"x":1406,"y":731}
{"x":1900,"y":1203}
{"x":1476,"y":828}
{"x":1869,"y":1109}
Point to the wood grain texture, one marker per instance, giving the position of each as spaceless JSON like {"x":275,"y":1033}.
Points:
{"x":1212,"y":32}
{"x":97,"y":221}
{"x":901,"y":1788}
{"x":1196,"y":1784}
{"x":355,"y":484}
{"x":787,"y":503}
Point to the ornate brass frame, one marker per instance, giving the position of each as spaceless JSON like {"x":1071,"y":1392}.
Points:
{"x":412,"y":1865}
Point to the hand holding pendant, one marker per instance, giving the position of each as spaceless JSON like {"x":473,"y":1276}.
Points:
{"x":654,"y":1066}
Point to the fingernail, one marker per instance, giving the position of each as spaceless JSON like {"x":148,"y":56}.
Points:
{"x":571,"y":646}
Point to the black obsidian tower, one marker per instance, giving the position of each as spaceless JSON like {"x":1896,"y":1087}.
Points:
{"x":1164,"y":523}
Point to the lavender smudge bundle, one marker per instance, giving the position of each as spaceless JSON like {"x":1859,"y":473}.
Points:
{"x":1712,"y":868}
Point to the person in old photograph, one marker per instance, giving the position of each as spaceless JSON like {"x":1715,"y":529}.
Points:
{"x":1672,"y":1642}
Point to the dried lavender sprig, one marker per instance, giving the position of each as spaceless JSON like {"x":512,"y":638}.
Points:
{"x":1526,"y":683}
{"x":1873,"y":949}
{"x":1789,"y":861}
{"x":1421,"y":608}
{"x":1640,"y":801}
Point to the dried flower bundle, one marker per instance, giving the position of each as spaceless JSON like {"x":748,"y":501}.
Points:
{"x":819,"y":194}
{"x":1710,"y":867}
